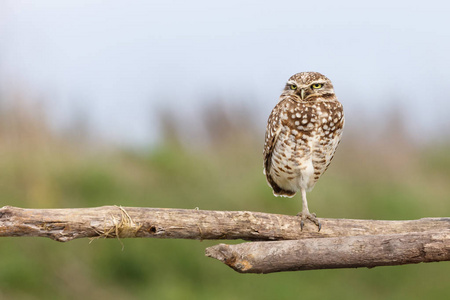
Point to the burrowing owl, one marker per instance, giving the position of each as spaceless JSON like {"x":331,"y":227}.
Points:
{"x":303,"y":132}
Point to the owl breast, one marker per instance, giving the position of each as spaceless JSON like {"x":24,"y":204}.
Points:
{"x":308,"y":135}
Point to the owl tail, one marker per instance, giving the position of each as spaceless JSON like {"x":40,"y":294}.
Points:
{"x":277,"y":190}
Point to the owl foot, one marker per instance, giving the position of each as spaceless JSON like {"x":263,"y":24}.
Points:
{"x":308,"y":216}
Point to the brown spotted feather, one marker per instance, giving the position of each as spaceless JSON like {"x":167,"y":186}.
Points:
{"x":303,"y":132}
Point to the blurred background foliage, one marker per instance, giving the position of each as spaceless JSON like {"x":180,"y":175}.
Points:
{"x":375,"y":175}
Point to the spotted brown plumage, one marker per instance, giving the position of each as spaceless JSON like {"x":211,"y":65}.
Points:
{"x":302,"y":134}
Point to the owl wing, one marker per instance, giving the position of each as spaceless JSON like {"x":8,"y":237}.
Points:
{"x":272,"y":131}
{"x":274,"y":126}
{"x":329,"y":143}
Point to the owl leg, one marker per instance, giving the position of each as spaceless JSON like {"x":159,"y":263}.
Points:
{"x":305,"y":214}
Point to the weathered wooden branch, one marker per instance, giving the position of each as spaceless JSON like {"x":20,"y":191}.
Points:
{"x":341,"y":242}
{"x":140,"y":222}
{"x":331,"y":253}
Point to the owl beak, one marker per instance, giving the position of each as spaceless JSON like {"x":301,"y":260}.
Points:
{"x":302,"y":94}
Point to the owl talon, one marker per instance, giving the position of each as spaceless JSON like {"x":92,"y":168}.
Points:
{"x":312,"y":217}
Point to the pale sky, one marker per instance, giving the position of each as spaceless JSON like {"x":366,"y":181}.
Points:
{"x":121,"y":60}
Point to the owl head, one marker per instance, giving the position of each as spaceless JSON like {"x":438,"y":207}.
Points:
{"x":309,"y":86}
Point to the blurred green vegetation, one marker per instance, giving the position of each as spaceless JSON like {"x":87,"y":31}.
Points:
{"x":38,"y":169}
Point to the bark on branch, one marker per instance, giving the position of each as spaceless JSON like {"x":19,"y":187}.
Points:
{"x":140,"y":222}
{"x":340,"y":243}
{"x":331,"y":253}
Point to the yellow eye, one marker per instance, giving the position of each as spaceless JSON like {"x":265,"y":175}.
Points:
{"x":293,"y":87}
{"x":317,"y":85}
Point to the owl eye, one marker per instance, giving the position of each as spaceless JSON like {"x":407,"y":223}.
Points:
{"x":317,"y":85}
{"x":293,"y":87}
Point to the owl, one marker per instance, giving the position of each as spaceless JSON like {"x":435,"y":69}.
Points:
{"x":302,"y":134}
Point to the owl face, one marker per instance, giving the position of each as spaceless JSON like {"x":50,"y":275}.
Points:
{"x":309,"y":86}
